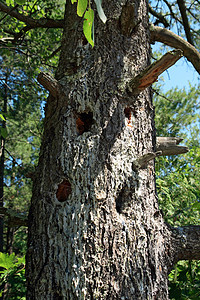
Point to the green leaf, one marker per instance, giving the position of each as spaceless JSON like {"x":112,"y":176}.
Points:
{"x":196,"y":205}
{"x":2,"y":117}
{"x":81,"y":7}
{"x":100,"y":11}
{"x":10,"y":2}
{"x":87,"y":25}
{"x":7,"y":261}
{"x":20,"y":2}
{"x":4,"y":132}
{"x":20,"y":260}
{"x":73,"y":1}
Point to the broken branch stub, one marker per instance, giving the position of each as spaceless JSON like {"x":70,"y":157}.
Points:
{"x":151,"y":73}
{"x":49,"y":83}
{"x":142,"y":161}
{"x":170,"y":146}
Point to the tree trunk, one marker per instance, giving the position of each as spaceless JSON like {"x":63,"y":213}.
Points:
{"x":2,"y":158}
{"x":95,"y":229}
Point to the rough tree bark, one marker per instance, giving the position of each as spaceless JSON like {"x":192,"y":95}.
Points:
{"x":95,"y":228}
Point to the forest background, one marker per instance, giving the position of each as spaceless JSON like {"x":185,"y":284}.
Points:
{"x":25,"y":51}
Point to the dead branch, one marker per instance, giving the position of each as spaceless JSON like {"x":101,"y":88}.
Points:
{"x":170,"y":146}
{"x":151,"y":73}
{"x":186,"y":25}
{"x":160,"y":17}
{"x":142,"y":161}
{"x":171,"y":39}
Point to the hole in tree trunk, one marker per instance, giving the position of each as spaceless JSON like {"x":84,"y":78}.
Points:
{"x":119,"y":202}
{"x":63,"y":191}
{"x":84,"y":122}
{"x":128,"y":115}
{"x":124,"y":199}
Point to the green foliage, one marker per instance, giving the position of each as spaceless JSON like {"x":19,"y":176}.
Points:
{"x":21,"y":61}
{"x":178,"y":178}
{"x":12,"y":276}
{"x":185,"y":281}
{"x":10,"y":2}
{"x":88,"y":22}
{"x":81,"y":7}
{"x":2,"y":117}
{"x":20,"y":2}
{"x":4,"y":132}
{"x":87,"y":25}
{"x":29,"y":42}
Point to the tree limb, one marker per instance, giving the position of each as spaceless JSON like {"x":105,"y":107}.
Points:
{"x":160,"y":17}
{"x":186,"y":25}
{"x":171,"y":39}
{"x":169,"y":146}
{"x":186,"y":242}
{"x":34,"y":23}
{"x":151,"y":73}
{"x":172,"y":14}
{"x":49,"y":83}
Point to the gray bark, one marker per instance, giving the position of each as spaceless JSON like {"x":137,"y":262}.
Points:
{"x":170,"y":146}
{"x":95,"y":229}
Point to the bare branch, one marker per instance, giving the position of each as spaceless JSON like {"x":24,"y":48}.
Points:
{"x":160,"y":17}
{"x":171,"y":39}
{"x":13,"y":8}
{"x":54,"y":52}
{"x":186,"y":242}
{"x":34,"y":23}
{"x":169,"y":146}
{"x":151,"y":73}
{"x":161,"y":95}
{"x":182,"y":8}
{"x":172,"y":14}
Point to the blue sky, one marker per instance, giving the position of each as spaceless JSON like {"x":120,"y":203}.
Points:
{"x":179,"y":74}
{"x":183,"y":71}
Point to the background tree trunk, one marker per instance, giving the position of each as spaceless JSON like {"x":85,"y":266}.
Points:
{"x":2,"y":158}
{"x":95,"y":229}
